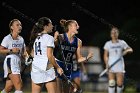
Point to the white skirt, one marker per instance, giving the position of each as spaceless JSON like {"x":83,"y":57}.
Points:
{"x":43,"y":76}
{"x":118,"y":67}
{"x":12,"y":64}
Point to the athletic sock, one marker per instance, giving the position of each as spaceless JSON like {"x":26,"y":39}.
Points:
{"x":119,"y":89}
{"x":18,"y":91}
{"x":3,"y":91}
{"x":111,"y":89}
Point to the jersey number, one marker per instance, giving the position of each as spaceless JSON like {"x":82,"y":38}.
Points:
{"x":68,"y":57}
{"x":38,"y":48}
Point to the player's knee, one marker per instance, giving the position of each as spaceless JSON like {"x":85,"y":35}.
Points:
{"x":112,"y":83}
{"x":120,"y":86}
{"x":18,"y":91}
{"x":9,"y":88}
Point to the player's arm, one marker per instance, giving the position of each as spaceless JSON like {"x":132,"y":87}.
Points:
{"x":80,"y":58}
{"x":51,"y":59}
{"x":105,"y":57}
{"x":4,"y":50}
{"x":57,"y":38}
{"x":127,"y":50}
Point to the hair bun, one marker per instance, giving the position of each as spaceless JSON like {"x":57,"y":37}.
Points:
{"x":63,"y":22}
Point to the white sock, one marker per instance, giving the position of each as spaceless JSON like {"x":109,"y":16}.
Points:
{"x":3,"y":91}
{"x":111,"y":89}
{"x":119,"y":89}
{"x":18,"y":91}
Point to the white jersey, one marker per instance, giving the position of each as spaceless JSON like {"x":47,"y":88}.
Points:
{"x":40,"y":50}
{"x":9,"y":43}
{"x":115,"y":51}
{"x":40,"y":61}
{"x":12,"y":62}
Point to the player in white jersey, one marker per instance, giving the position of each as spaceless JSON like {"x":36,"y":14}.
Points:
{"x":113,"y":50}
{"x":44,"y":64}
{"x":14,"y":47}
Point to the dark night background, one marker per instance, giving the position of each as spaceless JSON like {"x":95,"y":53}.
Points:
{"x":93,"y":30}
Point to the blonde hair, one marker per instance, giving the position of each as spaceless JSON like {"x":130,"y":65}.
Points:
{"x":65,"y":23}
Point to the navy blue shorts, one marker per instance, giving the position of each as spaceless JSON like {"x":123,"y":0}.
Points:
{"x":66,"y":72}
{"x":75,"y":74}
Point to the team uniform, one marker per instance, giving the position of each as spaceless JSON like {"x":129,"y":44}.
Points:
{"x":40,"y":72}
{"x":69,"y":50}
{"x":76,"y":70}
{"x":115,"y":52}
{"x":12,"y":62}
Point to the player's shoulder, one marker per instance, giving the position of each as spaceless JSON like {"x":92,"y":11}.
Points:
{"x":47,"y":36}
{"x":108,"y":42}
{"x":20,"y":37}
{"x":79,"y":40}
{"x":121,"y":41}
{"x":8,"y":37}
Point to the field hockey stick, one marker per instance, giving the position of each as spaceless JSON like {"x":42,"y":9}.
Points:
{"x":104,"y":71}
{"x":75,"y":90}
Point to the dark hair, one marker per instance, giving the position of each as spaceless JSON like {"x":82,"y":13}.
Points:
{"x":11,"y":23}
{"x":113,"y":27}
{"x":38,"y":28}
{"x":65,"y":23}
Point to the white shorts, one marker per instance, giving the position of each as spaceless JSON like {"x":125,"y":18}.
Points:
{"x":12,"y":64}
{"x":43,"y":76}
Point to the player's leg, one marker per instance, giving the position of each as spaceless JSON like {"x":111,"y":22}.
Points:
{"x":59,"y":85}
{"x":36,"y":88}
{"x":120,"y":80}
{"x":111,"y":87}
{"x":51,"y":86}
{"x":17,"y":82}
{"x":59,"y":82}
{"x":15,"y":76}
{"x":76,"y":79}
{"x":8,"y":86}
{"x":77,"y":82}
{"x":7,"y":71}
{"x":12,"y":72}
{"x":66,"y":87}
{"x":68,"y":73}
